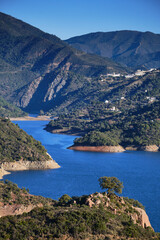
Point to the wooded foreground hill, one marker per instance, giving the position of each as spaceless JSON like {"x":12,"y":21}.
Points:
{"x":16,"y":144}
{"x":92,"y":217}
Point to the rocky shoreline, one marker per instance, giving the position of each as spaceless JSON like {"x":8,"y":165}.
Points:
{"x":110,"y":149}
{"x":150,"y":148}
{"x":114,"y":149}
{"x":6,"y":167}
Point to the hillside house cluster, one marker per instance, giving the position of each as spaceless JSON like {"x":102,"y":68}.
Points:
{"x":136,"y":74}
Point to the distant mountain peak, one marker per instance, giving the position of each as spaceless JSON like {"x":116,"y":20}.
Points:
{"x":131,"y":48}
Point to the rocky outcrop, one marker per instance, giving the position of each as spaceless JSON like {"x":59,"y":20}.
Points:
{"x":97,"y":199}
{"x":138,"y":216}
{"x":15,"y":209}
{"x":141,"y":217}
{"x":150,"y":148}
{"x":29,"y":165}
{"x":58,"y":83}
{"x":98,"y":148}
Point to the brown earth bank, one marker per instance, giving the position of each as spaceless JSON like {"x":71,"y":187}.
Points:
{"x":98,"y":148}
{"x":26,"y":165}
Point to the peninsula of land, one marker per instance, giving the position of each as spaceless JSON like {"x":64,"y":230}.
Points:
{"x":99,"y":129}
{"x":20,"y":151}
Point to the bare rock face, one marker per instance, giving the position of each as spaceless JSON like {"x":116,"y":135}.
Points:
{"x":28,"y":94}
{"x":16,"y":209}
{"x":142,"y":217}
{"x":58,"y":83}
{"x":26,"y":165}
{"x":97,"y":199}
{"x":89,"y":203}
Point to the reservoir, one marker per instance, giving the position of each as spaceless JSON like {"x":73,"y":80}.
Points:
{"x":80,"y":171}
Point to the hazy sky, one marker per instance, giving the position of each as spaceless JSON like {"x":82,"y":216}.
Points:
{"x":68,"y":18}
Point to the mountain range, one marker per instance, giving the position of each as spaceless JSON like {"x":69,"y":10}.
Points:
{"x":39,"y":71}
{"x":130,"y":48}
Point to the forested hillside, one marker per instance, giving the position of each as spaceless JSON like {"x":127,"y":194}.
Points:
{"x":136,"y":127}
{"x":15,"y":144}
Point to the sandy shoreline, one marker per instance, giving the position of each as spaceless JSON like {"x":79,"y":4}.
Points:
{"x":28,"y":118}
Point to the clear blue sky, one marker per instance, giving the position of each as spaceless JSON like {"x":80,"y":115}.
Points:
{"x":68,"y":18}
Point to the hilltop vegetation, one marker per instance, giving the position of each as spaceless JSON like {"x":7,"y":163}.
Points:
{"x":15,"y":144}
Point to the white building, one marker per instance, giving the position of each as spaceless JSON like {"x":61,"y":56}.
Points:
{"x":140,"y":73}
{"x":129,"y":76}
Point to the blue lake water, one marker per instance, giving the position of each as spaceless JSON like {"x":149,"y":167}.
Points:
{"x":79,"y":172}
